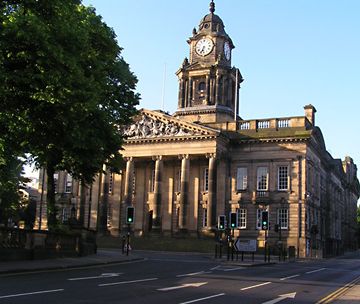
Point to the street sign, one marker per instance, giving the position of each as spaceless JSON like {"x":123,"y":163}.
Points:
{"x":245,"y":245}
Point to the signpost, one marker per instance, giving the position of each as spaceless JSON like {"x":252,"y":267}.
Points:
{"x":245,"y":245}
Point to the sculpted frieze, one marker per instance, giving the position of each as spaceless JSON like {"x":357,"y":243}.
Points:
{"x":147,"y":127}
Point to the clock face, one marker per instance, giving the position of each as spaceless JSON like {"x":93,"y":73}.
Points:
{"x":204,"y":46}
{"x":227,"y":50}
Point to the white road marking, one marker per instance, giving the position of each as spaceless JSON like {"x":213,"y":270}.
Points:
{"x":30,"y":293}
{"x":104,"y":275}
{"x":127,"y":282}
{"x":182,"y":286}
{"x":254,"y":286}
{"x":203,"y":299}
{"x":191,"y":274}
{"x":290,"y":277}
{"x":232,"y":269}
{"x":317,"y":270}
{"x":281,"y":297}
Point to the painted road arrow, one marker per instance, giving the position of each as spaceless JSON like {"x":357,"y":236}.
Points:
{"x":183,"y":286}
{"x":281,"y":297}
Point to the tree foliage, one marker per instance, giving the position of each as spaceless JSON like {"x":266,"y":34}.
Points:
{"x":11,"y":181}
{"x":358,"y":222}
{"x":65,"y":88}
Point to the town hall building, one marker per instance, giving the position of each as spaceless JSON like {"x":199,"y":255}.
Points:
{"x":183,"y":170}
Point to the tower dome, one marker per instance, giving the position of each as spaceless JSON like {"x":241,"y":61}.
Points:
{"x":211,"y":22}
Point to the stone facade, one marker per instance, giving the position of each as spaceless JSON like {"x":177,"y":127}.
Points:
{"x":184,"y":170}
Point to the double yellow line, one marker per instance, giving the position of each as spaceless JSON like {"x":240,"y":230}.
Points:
{"x":338,"y":292}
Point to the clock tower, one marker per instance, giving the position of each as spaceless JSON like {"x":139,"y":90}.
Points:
{"x":208,"y":84}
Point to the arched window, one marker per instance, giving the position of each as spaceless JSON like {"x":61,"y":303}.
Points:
{"x":202,"y":86}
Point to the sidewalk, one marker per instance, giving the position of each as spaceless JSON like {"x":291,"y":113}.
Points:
{"x":349,"y":294}
{"x":101,"y":258}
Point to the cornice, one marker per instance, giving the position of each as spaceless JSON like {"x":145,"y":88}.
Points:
{"x":156,"y":140}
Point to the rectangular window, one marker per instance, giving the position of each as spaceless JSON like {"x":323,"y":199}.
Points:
{"x":258,"y":218}
{"x":242,"y":215}
{"x":110,"y":183}
{"x":283,"y":218}
{"x":134,"y":183}
{"x":241,"y":179}
{"x":283,"y":178}
{"x":262,"y":178}
{"x":206,"y":179}
{"x":205,"y":217}
{"x":56,"y":182}
{"x":109,"y":216}
{"x":153,"y":181}
{"x":179,"y":180}
{"x":66,"y":214}
{"x":68,"y":183}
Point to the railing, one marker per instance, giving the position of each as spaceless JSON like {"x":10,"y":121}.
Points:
{"x":262,"y":194}
{"x":283,"y":123}
{"x":55,"y":241}
{"x":263,"y":124}
{"x":13,"y":238}
{"x":244,"y":125}
{"x":273,"y":123}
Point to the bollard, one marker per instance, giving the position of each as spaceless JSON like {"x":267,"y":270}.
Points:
{"x":123,"y":244}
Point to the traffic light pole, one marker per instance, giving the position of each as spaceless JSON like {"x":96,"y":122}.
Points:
{"x":128,"y":240}
{"x":265,"y":245}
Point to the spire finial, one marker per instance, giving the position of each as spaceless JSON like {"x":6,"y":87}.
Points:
{"x":212,"y":7}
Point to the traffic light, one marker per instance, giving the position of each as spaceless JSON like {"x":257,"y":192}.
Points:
{"x":221,"y":222}
{"x":265,"y":220}
{"x":130,"y":215}
{"x":233,"y":220}
{"x":276,"y":229}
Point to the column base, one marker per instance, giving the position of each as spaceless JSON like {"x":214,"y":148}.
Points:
{"x":182,"y":234}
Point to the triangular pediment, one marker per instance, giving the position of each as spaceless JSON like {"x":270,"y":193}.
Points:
{"x":152,"y":124}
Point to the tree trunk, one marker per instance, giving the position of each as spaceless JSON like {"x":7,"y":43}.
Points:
{"x":50,"y":197}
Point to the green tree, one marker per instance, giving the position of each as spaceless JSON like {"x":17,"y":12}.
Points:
{"x":66,"y":88}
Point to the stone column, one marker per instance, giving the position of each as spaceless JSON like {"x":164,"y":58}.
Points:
{"x":212,"y":190}
{"x":128,"y":181}
{"x":157,"y":191}
{"x":207,"y":96}
{"x":223,"y":90}
{"x":181,"y":94}
{"x":189,"y":98}
{"x":184,"y":194}
{"x":217,"y":90}
{"x":194,"y":90}
{"x":104,"y":202}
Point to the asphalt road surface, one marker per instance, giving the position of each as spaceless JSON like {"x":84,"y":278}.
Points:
{"x":182,"y":278}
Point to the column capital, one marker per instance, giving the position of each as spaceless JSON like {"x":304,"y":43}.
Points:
{"x":183,"y":156}
{"x":157,"y":157}
{"x":129,"y":158}
{"x":211,"y":155}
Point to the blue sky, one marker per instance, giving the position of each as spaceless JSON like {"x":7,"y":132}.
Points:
{"x":290,"y":53}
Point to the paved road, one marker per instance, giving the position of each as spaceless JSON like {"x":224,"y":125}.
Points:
{"x":182,"y":278}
